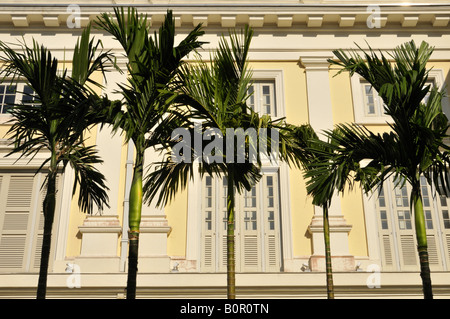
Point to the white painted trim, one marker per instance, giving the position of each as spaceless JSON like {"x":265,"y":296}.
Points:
{"x":438,"y":76}
{"x":358,"y":99}
{"x":35,"y":215}
{"x":193,"y":227}
{"x":286,"y":216}
{"x":67,"y":180}
{"x":277,"y":76}
{"x":358,"y":105}
{"x":371,"y":223}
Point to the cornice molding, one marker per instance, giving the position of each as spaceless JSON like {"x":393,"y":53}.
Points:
{"x":225,"y":16}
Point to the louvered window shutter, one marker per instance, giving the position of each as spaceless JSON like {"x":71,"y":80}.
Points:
{"x":16,"y":220}
{"x":397,"y":233}
{"x":208,"y":227}
{"x":222,"y":216}
{"x":22,"y":221}
{"x":271,"y":222}
{"x":442,"y":203}
{"x":385,"y":228}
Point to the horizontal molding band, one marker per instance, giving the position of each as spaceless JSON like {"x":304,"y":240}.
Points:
{"x":313,"y":17}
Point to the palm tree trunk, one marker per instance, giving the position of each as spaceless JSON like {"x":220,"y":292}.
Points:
{"x":49,"y":214}
{"x":329,"y":270}
{"x":134,"y":225}
{"x":231,"y":268}
{"x":422,"y":245}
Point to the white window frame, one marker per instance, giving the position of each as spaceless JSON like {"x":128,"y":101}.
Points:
{"x":439,"y":236}
{"x":275,"y":76}
{"x":266,"y":255}
{"x":20,"y":85}
{"x":435,"y":75}
{"x":257,"y":96}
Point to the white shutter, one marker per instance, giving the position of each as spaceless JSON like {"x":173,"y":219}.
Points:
{"x":223,"y":255}
{"x":208,"y":227}
{"x":387,"y":251}
{"x":221,"y":224}
{"x":433,"y":255}
{"x":207,"y":252}
{"x":249,"y":228}
{"x":385,"y":228}
{"x":271,"y":222}
{"x":442,"y":207}
{"x":22,"y":221}
{"x":447,"y":242}
{"x":408,"y":250}
{"x":17,"y":192}
{"x":251,"y":258}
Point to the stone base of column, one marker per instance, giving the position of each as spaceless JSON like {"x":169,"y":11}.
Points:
{"x":338,"y":263}
{"x":153,"y":257}
{"x":97,"y":264}
{"x":154,"y":264}
{"x":341,"y":258}
{"x":99,"y":244}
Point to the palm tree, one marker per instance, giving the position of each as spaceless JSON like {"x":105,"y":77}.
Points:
{"x":216,"y":93}
{"x":311,"y":153}
{"x":57,"y":123}
{"x":414,"y":147}
{"x":153,"y":63}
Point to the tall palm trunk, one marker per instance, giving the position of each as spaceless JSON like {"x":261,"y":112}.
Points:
{"x":134,"y":224}
{"x":49,"y":215}
{"x":231,"y":263}
{"x":422,"y":245}
{"x":329,"y":269}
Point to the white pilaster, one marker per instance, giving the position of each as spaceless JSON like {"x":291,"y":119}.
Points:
{"x":154,"y":229}
{"x":321,"y":119}
{"x":101,"y":230}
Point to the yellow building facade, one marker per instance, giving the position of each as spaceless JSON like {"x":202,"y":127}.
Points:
{"x":279,"y":232}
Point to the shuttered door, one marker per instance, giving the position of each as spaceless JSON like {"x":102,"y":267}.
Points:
{"x":257,"y":237}
{"x":398,"y":242}
{"x":21,"y":221}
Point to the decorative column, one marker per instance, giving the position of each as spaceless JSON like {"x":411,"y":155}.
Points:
{"x":100,"y":231}
{"x":321,"y":118}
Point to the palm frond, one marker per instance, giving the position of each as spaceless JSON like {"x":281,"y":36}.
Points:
{"x":89,"y":181}
{"x":87,"y":59}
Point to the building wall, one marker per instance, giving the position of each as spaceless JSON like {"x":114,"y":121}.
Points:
{"x":294,"y":40}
